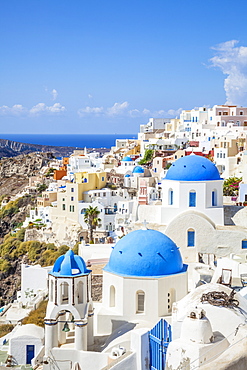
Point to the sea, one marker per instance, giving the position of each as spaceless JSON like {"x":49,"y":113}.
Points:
{"x":74,"y":140}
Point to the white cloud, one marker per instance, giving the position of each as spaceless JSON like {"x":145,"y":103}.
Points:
{"x":54,"y":94}
{"x":90,"y":110}
{"x":121,"y":109}
{"x":146,"y":111}
{"x":40,"y":108}
{"x":90,"y":96}
{"x":117,"y":109}
{"x":173,"y":112}
{"x":43,"y":108}
{"x":16,"y":110}
{"x":232,"y":61}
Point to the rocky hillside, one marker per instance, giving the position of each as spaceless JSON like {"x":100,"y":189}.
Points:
{"x":9,"y":148}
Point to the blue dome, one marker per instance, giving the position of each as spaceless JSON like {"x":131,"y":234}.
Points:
{"x":138,"y":169}
{"x":127,"y":175}
{"x":69,"y":264}
{"x":145,"y":253}
{"x":127,"y":159}
{"x":193,"y":168}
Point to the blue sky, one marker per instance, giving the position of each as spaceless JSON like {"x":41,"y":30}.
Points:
{"x":107,"y":66}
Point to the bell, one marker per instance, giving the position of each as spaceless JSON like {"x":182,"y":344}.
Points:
{"x":66,"y":327}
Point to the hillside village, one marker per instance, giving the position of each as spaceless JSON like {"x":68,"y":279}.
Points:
{"x":149,"y":236}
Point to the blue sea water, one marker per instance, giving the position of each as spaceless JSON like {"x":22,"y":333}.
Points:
{"x":77,"y":140}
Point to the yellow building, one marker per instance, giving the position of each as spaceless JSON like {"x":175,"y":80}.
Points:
{"x":69,"y":197}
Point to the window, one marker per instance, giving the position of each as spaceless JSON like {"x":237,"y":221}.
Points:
{"x":214,"y":198}
{"x":140,"y":302}
{"x":72,"y":190}
{"x":170,"y":197}
{"x":64,"y":292}
{"x":72,"y":208}
{"x":104,"y":194}
{"x":241,"y":113}
{"x":112,"y":296}
{"x":192,"y":199}
{"x":72,"y":198}
{"x":244,"y":244}
{"x":191,"y":238}
{"x":219,"y":113}
{"x":80,"y":292}
{"x":63,"y":207}
{"x":51,"y":291}
{"x":103,"y":179}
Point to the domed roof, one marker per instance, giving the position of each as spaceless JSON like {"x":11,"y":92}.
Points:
{"x":127,"y":175}
{"x":193,"y":168}
{"x":138,"y":169}
{"x":127,"y":159}
{"x":69,"y":264}
{"x":145,"y":253}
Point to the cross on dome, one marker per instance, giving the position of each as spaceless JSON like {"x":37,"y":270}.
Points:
{"x":145,"y":223}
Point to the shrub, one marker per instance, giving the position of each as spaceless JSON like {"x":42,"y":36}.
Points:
{"x":37,"y":316}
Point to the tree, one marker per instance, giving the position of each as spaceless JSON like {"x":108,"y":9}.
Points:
{"x":147,"y":156}
{"x":92,"y":220}
{"x":231,"y":185}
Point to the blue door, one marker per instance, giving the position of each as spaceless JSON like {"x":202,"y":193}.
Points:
{"x":30,"y":353}
{"x":159,"y":338}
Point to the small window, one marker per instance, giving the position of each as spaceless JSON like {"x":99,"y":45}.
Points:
{"x":191,"y":238}
{"x":63,"y":207}
{"x":192,"y":199}
{"x":140,"y":301}
{"x":170,"y":197}
{"x":72,"y":198}
{"x":244,"y":244}
{"x":112,"y":296}
{"x":72,"y":190}
{"x":103,"y":179}
{"x":214,"y":198}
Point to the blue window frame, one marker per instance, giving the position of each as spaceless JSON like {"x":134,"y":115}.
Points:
{"x":170,"y":200}
{"x":244,"y":244}
{"x":214,"y":198}
{"x":191,"y":238}
{"x":192,"y":199}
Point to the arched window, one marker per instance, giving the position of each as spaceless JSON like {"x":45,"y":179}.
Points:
{"x":80,"y":292}
{"x":64,"y":293}
{"x":51,"y":290}
{"x":192,"y":198}
{"x":214,"y":198}
{"x":191,"y":238}
{"x":170,"y":197}
{"x":140,"y":301}
{"x":244,"y":244}
{"x":112,"y":296}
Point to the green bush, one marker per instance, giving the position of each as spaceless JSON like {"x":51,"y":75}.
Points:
{"x":4,"y":265}
{"x":37,"y":316}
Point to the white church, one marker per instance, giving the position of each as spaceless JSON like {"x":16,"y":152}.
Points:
{"x":145,"y":275}
{"x":192,"y":202}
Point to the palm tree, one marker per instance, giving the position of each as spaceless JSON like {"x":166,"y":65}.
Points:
{"x":92,"y":220}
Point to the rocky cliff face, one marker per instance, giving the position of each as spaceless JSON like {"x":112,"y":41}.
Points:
{"x":24,"y":165}
{"x":9,"y":148}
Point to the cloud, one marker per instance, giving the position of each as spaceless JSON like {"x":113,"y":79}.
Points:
{"x":90,"y":110}
{"x":54,"y":94}
{"x":40,"y":108}
{"x":90,"y":96}
{"x":117,"y":109}
{"x":232,"y":61}
{"x":121,"y":110}
{"x":16,"y":110}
